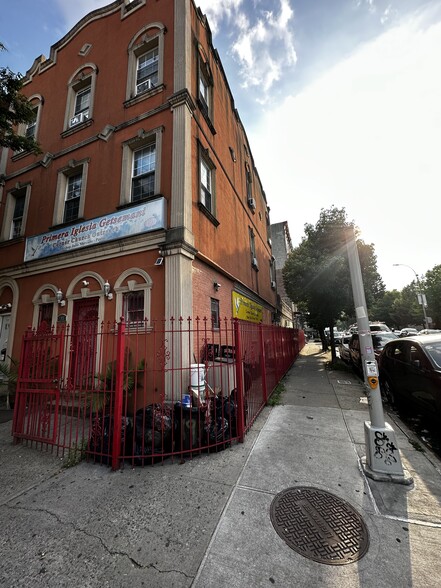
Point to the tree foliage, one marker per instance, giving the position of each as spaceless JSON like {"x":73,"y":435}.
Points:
{"x":432,"y":288}
{"x":15,"y":109}
{"x":316,"y":273}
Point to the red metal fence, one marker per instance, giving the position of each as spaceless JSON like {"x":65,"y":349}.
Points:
{"x":149,"y":391}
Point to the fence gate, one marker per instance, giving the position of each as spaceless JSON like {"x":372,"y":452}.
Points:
{"x":38,"y":394}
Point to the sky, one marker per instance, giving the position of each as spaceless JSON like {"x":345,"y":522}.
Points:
{"x":340,"y":100}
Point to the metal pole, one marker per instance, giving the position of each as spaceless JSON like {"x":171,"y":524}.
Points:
{"x":369,"y":362}
{"x":382,"y":461}
{"x":420,"y":291}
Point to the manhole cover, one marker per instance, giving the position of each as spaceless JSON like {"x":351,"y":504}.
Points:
{"x":319,"y":525}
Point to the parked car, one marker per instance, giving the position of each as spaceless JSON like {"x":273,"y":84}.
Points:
{"x":343,"y":348}
{"x":429,"y":331}
{"x":408,"y":332}
{"x":374,"y":327}
{"x":379,"y":340}
{"x":410,"y":372}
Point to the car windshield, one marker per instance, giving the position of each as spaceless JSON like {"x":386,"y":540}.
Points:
{"x":380,"y":339}
{"x":434,"y":351}
{"x":379,"y":327}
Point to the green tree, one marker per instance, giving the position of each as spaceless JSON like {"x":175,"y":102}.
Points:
{"x":14,"y":110}
{"x":316,"y":274}
{"x":432,"y":289}
{"x":384,"y":309}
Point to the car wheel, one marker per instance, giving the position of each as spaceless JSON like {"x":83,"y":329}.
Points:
{"x":388,"y":392}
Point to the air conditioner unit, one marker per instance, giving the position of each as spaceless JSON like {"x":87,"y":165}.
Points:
{"x":143,"y":86}
{"x":273,"y":284}
{"x":252,"y":203}
{"x":255,"y":263}
{"x":79,"y":118}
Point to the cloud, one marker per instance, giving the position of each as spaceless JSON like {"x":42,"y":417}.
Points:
{"x":263,"y":39}
{"x":364,"y":136}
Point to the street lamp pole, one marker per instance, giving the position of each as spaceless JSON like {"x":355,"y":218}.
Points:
{"x":382,"y":461}
{"x":420,"y":291}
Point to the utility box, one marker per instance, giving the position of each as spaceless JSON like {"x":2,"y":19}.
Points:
{"x":221,"y":375}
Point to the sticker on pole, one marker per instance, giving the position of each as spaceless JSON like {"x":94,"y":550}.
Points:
{"x":371,"y":369}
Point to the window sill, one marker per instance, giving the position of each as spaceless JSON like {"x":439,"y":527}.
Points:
{"x":69,"y":224}
{"x":140,"y":97}
{"x":20,"y":154}
{"x":75,"y":128}
{"x":138,"y":202}
{"x":208,"y":214}
{"x":6,"y":242}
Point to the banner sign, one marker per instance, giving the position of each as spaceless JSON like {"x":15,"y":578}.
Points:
{"x":246,"y":309}
{"x":124,"y":223}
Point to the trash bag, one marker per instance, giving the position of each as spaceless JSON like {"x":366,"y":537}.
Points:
{"x":101,"y":439}
{"x":230,"y":413}
{"x":217,"y":430}
{"x":153,"y":431}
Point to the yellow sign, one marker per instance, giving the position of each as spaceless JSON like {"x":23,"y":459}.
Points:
{"x":246,"y":310}
{"x":373,"y":382}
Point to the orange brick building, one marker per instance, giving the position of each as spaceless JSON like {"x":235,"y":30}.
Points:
{"x":145,"y":201}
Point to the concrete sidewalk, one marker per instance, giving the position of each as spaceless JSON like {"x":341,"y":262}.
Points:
{"x":207,"y":522}
{"x":316,"y":439}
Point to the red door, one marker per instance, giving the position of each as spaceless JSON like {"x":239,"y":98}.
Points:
{"x":84,"y":343}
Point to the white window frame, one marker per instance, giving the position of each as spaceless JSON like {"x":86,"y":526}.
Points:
{"x":83,"y":78}
{"x":125,"y":295}
{"x":204,"y":85}
{"x":36,"y":102}
{"x":130,"y":147}
{"x":72,"y":169}
{"x":206,"y":167}
{"x":149,"y":153}
{"x":72,"y":194}
{"x":149,"y":38}
{"x":149,"y":82}
{"x":8,"y":219}
{"x":134,"y":280}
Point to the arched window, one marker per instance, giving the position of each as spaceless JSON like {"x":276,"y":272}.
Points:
{"x":133,"y":297}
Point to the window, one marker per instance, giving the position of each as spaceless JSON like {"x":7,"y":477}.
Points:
{"x":205,"y":87}
{"x":206,"y":186}
{"x":81,"y":112}
{"x":215,"y":317}
{"x":147,"y":71}
{"x":73,"y":194}
{"x":143,"y":177}
{"x":17,"y":218}
{"x":273,"y":273}
{"x":16,"y":209}
{"x":204,"y":92}
{"x":45,"y":316}
{"x":133,"y":308}
{"x":254,"y":262}
{"x":31,"y":127}
{"x":141,"y":167}
{"x":80,"y":97}
{"x":249,"y":184}
{"x":71,"y":188}
{"x":133,"y":297}
{"x":82,"y":105}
